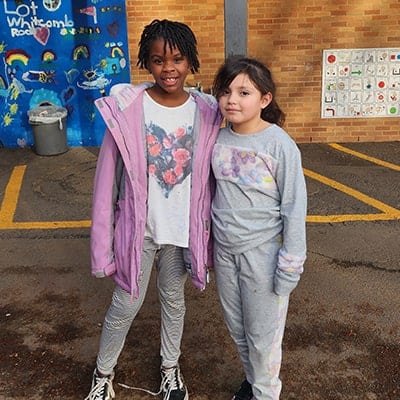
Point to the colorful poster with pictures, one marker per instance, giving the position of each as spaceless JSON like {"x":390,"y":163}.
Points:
{"x":361,"y":83}
{"x":64,"y":53}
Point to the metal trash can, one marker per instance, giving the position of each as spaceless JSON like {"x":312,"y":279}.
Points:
{"x":49,"y":129}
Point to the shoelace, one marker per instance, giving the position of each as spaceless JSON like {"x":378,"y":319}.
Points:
{"x":98,"y":389}
{"x":169,"y":382}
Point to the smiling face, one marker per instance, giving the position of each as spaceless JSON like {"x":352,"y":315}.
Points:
{"x":169,"y":69}
{"x":241,"y":104}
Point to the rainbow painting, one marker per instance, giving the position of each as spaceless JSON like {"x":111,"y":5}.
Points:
{"x":2,"y":83}
{"x":48,"y":56}
{"x":117,"y":51}
{"x":14,"y":55}
{"x":80,"y":52}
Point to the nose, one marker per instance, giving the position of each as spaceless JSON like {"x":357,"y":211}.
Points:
{"x":232,"y":99}
{"x":168,"y":65}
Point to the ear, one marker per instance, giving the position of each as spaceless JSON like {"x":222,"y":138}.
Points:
{"x":266,"y":99}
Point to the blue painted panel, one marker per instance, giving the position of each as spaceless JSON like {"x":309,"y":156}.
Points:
{"x":65,"y":53}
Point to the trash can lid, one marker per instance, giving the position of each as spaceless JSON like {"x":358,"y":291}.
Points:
{"x":47,"y":114}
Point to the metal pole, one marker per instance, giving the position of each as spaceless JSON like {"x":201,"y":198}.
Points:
{"x":235,"y":12}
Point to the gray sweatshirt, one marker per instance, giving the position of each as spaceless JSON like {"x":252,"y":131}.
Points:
{"x":260,"y":196}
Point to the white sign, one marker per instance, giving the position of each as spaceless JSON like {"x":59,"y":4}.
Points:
{"x":360,"y":83}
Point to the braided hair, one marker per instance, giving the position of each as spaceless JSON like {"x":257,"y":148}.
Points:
{"x":175,"y":34}
{"x":261,"y":77}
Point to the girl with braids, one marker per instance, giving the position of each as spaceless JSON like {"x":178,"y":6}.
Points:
{"x":152,"y":199}
{"x":258,"y":215}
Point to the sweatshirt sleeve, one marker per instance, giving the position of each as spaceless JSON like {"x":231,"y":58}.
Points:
{"x":292,"y":187}
{"x":104,"y":200}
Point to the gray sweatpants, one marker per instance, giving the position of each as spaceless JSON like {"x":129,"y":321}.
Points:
{"x":254,"y":314}
{"x":171,"y":278}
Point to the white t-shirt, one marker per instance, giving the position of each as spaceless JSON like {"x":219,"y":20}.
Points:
{"x":169,"y":142}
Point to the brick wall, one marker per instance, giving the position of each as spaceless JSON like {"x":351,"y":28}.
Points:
{"x":288,"y":36}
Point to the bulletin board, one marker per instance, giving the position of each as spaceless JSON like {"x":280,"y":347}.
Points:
{"x":65,"y":53}
{"x":361,"y":83}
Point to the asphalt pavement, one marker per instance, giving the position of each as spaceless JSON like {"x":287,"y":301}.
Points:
{"x":342,"y":340}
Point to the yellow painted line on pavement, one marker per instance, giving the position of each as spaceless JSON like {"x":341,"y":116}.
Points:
{"x":11,"y":194}
{"x":389,"y":213}
{"x":330,"y":219}
{"x":9,"y":206}
{"x":365,"y":157}
{"x":45,"y":225}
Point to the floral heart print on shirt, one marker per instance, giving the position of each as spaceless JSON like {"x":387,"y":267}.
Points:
{"x":169,"y":155}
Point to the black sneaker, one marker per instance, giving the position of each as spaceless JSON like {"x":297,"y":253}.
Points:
{"x":245,"y":392}
{"x":172,"y":384}
{"x":102,"y":388}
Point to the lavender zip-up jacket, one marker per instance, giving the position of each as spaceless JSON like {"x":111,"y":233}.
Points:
{"x":119,"y":209}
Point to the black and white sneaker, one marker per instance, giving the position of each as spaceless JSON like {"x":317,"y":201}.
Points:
{"x":245,"y":392}
{"x":172,"y":384}
{"x":102,"y":388}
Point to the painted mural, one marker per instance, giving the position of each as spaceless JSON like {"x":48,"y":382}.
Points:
{"x":61,"y":53}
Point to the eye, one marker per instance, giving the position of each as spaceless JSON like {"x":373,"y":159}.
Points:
{"x":244,"y":93}
{"x":157,"y":61}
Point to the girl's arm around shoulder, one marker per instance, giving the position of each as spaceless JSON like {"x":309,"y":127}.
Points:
{"x":208,"y":99}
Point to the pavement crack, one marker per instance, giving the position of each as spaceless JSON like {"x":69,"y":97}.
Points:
{"x":361,"y":264}
{"x":355,"y":264}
